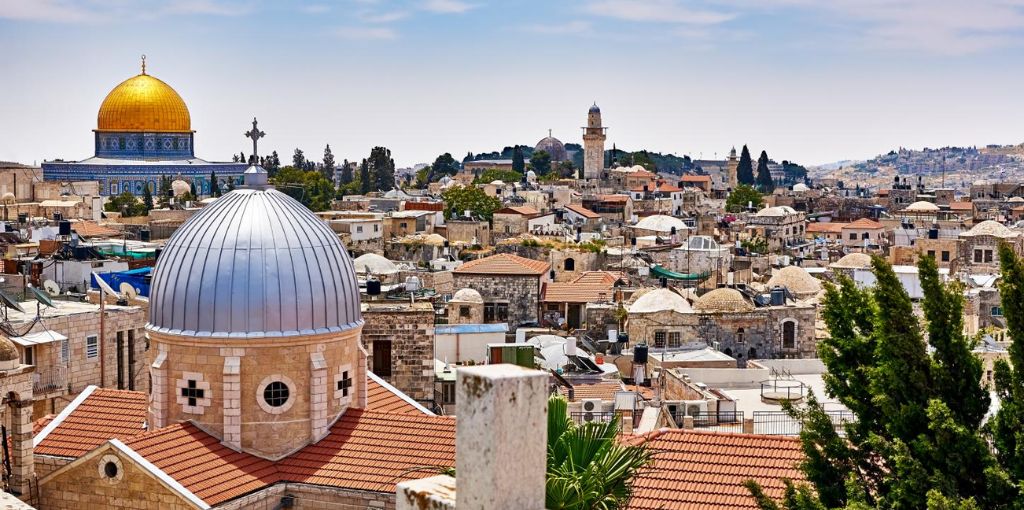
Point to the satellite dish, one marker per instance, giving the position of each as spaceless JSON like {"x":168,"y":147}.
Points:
{"x":51,"y":287}
{"x":128,"y":291}
{"x":8,"y":301}
{"x":41,"y":296}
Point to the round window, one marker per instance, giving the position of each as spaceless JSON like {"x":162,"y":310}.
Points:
{"x":276,"y":394}
{"x":110,"y":469}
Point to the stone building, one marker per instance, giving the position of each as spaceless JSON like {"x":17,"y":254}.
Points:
{"x":512,"y":221}
{"x":594,"y":136}
{"x":466,"y":307}
{"x":979,"y":246}
{"x":510,"y":286}
{"x":782,"y":226}
{"x":399,"y":338}
{"x":468,"y":232}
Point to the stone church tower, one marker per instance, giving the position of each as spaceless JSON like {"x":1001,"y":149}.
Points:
{"x":593,"y":145}
{"x":731,"y":165}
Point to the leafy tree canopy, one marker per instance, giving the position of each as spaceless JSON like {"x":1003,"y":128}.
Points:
{"x":458,"y":199}
{"x":742,"y":196}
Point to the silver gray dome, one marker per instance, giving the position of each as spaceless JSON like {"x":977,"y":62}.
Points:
{"x":254,"y":263}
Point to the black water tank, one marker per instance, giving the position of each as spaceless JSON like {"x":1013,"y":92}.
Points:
{"x":640,"y":354}
{"x":22,"y":217}
{"x":156,"y":254}
{"x":144,"y":235}
{"x":373,"y":287}
{"x":778,"y":296}
{"x":623,"y":338}
{"x":64,"y":228}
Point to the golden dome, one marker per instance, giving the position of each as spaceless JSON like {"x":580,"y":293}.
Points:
{"x":144,"y":104}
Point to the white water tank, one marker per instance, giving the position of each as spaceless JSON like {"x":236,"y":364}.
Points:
{"x":570,"y":346}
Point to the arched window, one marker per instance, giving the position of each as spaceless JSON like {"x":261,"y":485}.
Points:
{"x":739,"y":336}
{"x":728,"y":351}
{"x":789,"y":335}
{"x":569,"y":264}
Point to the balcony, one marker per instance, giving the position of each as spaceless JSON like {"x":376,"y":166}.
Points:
{"x":51,"y":381}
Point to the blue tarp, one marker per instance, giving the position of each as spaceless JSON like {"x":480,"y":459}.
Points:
{"x":135,"y":277}
{"x":462,"y":329}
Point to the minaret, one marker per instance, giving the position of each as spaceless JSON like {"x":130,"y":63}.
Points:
{"x":731,"y":165}
{"x":593,"y":145}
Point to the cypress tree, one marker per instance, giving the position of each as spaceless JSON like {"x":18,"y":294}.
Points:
{"x":214,"y":185}
{"x":518,"y":163}
{"x":147,"y":198}
{"x":328,"y":165}
{"x":346,"y":173}
{"x":745,"y":170}
{"x":764,"y":175}
{"x":364,"y":177}
{"x":1007,"y":427}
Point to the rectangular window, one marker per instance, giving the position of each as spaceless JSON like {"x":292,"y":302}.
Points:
{"x":120,"y":360}
{"x":659,"y":339}
{"x":853,"y":236}
{"x":65,"y":351}
{"x":376,"y":228}
{"x":464,"y":312}
{"x":92,"y":347}
{"x":997,"y":311}
{"x":382,"y":358}
{"x":447,"y":393}
{"x":977,"y":256}
{"x":945,"y":255}
{"x":359,"y":229}
{"x":931,"y":253}
{"x":675,"y":339}
{"x":30,"y":355}
{"x":131,"y":359}
{"x":988,"y":256}
{"x":495,"y":312}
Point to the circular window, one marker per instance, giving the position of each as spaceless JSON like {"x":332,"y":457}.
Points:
{"x":110,"y":469}
{"x":276,"y":394}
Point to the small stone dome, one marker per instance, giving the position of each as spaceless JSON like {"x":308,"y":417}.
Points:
{"x":552,"y":146}
{"x":180,"y":187}
{"x":796,"y":279}
{"x":662,"y":223}
{"x":853,"y":261}
{"x":660,"y":300}
{"x":779,"y":210}
{"x":467,"y":296}
{"x":990,"y":228}
{"x":375,"y":264}
{"x":9,"y":357}
{"x":1015,"y":200}
{"x":922,"y":207}
{"x":724,"y":300}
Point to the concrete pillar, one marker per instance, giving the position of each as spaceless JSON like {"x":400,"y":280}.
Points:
{"x":687,"y":422}
{"x":233,"y":402}
{"x":501,"y":437}
{"x":23,"y":465}
{"x":158,"y":398}
{"x":434,"y":493}
{"x":748,"y":425}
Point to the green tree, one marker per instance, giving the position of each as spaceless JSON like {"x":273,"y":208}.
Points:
{"x":273,"y":164}
{"x":364,"y":177}
{"x":587,"y":467}
{"x":745,"y":170}
{"x":540,"y":163}
{"x":164,"y":198}
{"x":381,"y":168}
{"x":1007,"y":426}
{"x":298,"y":159}
{"x":127,"y":204}
{"x":192,"y":189}
{"x":309,"y":187}
{"x":346,"y":173}
{"x":764,"y":175}
{"x":518,"y":163}
{"x":458,"y":199}
{"x":743,"y":196}
{"x":495,"y":174}
{"x":147,"y":198}
{"x":214,"y":185}
{"x":328,"y":164}
{"x":443,"y":165}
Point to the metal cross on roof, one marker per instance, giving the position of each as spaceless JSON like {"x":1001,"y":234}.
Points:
{"x":255,"y":134}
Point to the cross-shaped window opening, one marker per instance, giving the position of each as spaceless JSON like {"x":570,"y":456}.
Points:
{"x":192,"y":393}
{"x":345,"y":383}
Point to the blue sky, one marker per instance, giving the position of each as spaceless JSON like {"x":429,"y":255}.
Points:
{"x":810,"y":81}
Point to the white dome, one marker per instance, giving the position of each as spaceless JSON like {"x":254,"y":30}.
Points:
{"x":660,"y":300}
{"x":801,"y":187}
{"x":922,"y":207}
{"x":254,"y":264}
{"x":180,"y":187}
{"x":375,"y":264}
{"x":854,"y":261}
{"x":779,"y":210}
{"x":990,"y":228}
{"x":661,"y":223}
{"x":467,"y":296}
{"x":796,"y":279}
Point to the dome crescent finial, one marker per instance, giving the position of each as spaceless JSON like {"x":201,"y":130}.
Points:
{"x":143,"y":63}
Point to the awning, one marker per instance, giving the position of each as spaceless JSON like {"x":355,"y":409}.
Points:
{"x":42,"y":337}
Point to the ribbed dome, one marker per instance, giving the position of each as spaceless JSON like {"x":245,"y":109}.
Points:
{"x":255,"y":263}
{"x":144,"y":104}
{"x":724,"y":300}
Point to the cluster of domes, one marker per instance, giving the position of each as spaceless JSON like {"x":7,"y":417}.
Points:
{"x":143,"y":104}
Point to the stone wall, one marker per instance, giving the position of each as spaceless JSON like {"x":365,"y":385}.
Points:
{"x":309,"y":497}
{"x":522,"y":293}
{"x":410,"y":328}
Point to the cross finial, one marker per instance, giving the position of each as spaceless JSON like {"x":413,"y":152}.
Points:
{"x":143,"y":64}
{"x":254,"y":134}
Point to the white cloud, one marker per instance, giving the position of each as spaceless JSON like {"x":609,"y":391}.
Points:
{"x":65,"y":11}
{"x":45,"y":10}
{"x":315,"y":8}
{"x":447,"y":6}
{"x":367,"y":33}
{"x":572,"y":27}
{"x":660,"y":11}
{"x":383,"y":17}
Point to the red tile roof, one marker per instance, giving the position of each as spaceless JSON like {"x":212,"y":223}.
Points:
{"x":696,"y":178}
{"x":707,"y":469}
{"x":200,"y":463}
{"x":522,"y":210}
{"x":612,"y":198}
{"x":864,"y":223}
{"x":373,"y":451}
{"x":571,"y":292}
{"x":827,"y":227}
{"x":961,"y":205}
{"x":504,"y":264}
{"x":582,"y":211}
{"x":383,"y":399}
{"x":604,"y":390}
{"x":605,"y":277}
{"x":102,"y":415}
{"x":92,"y":229}
{"x":424,"y":206}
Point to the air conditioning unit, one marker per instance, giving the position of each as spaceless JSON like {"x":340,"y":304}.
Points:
{"x":591,"y":409}
{"x":696,"y":407}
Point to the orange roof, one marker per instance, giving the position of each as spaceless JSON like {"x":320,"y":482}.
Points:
{"x":504,"y":264}
{"x":696,"y":178}
{"x":201,"y":464}
{"x":604,"y":390}
{"x":373,"y":451}
{"x":385,"y":398}
{"x":424,"y":206}
{"x":961,"y":205}
{"x":582,"y":211}
{"x":571,"y":292}
{"x":93,"y":229}
{"x":612,"y":198}
{"x":826,"y":227}
{"x":605,"y":277}
{"x":865,"y":223}
{"x":94,"y":417}
{"x":883,"y":192}
{"x":523,"y":210}
{"x":707,"y":469}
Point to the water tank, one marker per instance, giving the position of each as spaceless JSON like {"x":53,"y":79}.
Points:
{"x":570,"y":346}
{"x":57,"y":216}
{"x":64,"y":228}
{"x":22,"y":217}
{"x":412,"y":284}
{"x":640,"y":354}
{"x":373,"y":287}
{"x":933,"y":233}
{"x":778,"y":296}
{"x":144,"y":235}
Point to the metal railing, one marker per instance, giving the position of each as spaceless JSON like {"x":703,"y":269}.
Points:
{"x":722,"y":421}
{"x":780,"y":423}
{"x":50,"y":380}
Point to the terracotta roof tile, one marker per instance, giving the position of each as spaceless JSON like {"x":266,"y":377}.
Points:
{"x":504,"y":264}
{"x":696,"y":178}
{"x":105,"y":414}
{"x":961,"y":205}
{"x":572,"y":292}
{"x":865,"y":223}
{"x":524,"y":210}
{"x":93,"y":229}
{"x":826,"y":227}
{"x":582,"y":211}
{"x":707,"y":469}
{"x":382,"y":399}
{"x":605,"y":277}
{"x":604,"y":390}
